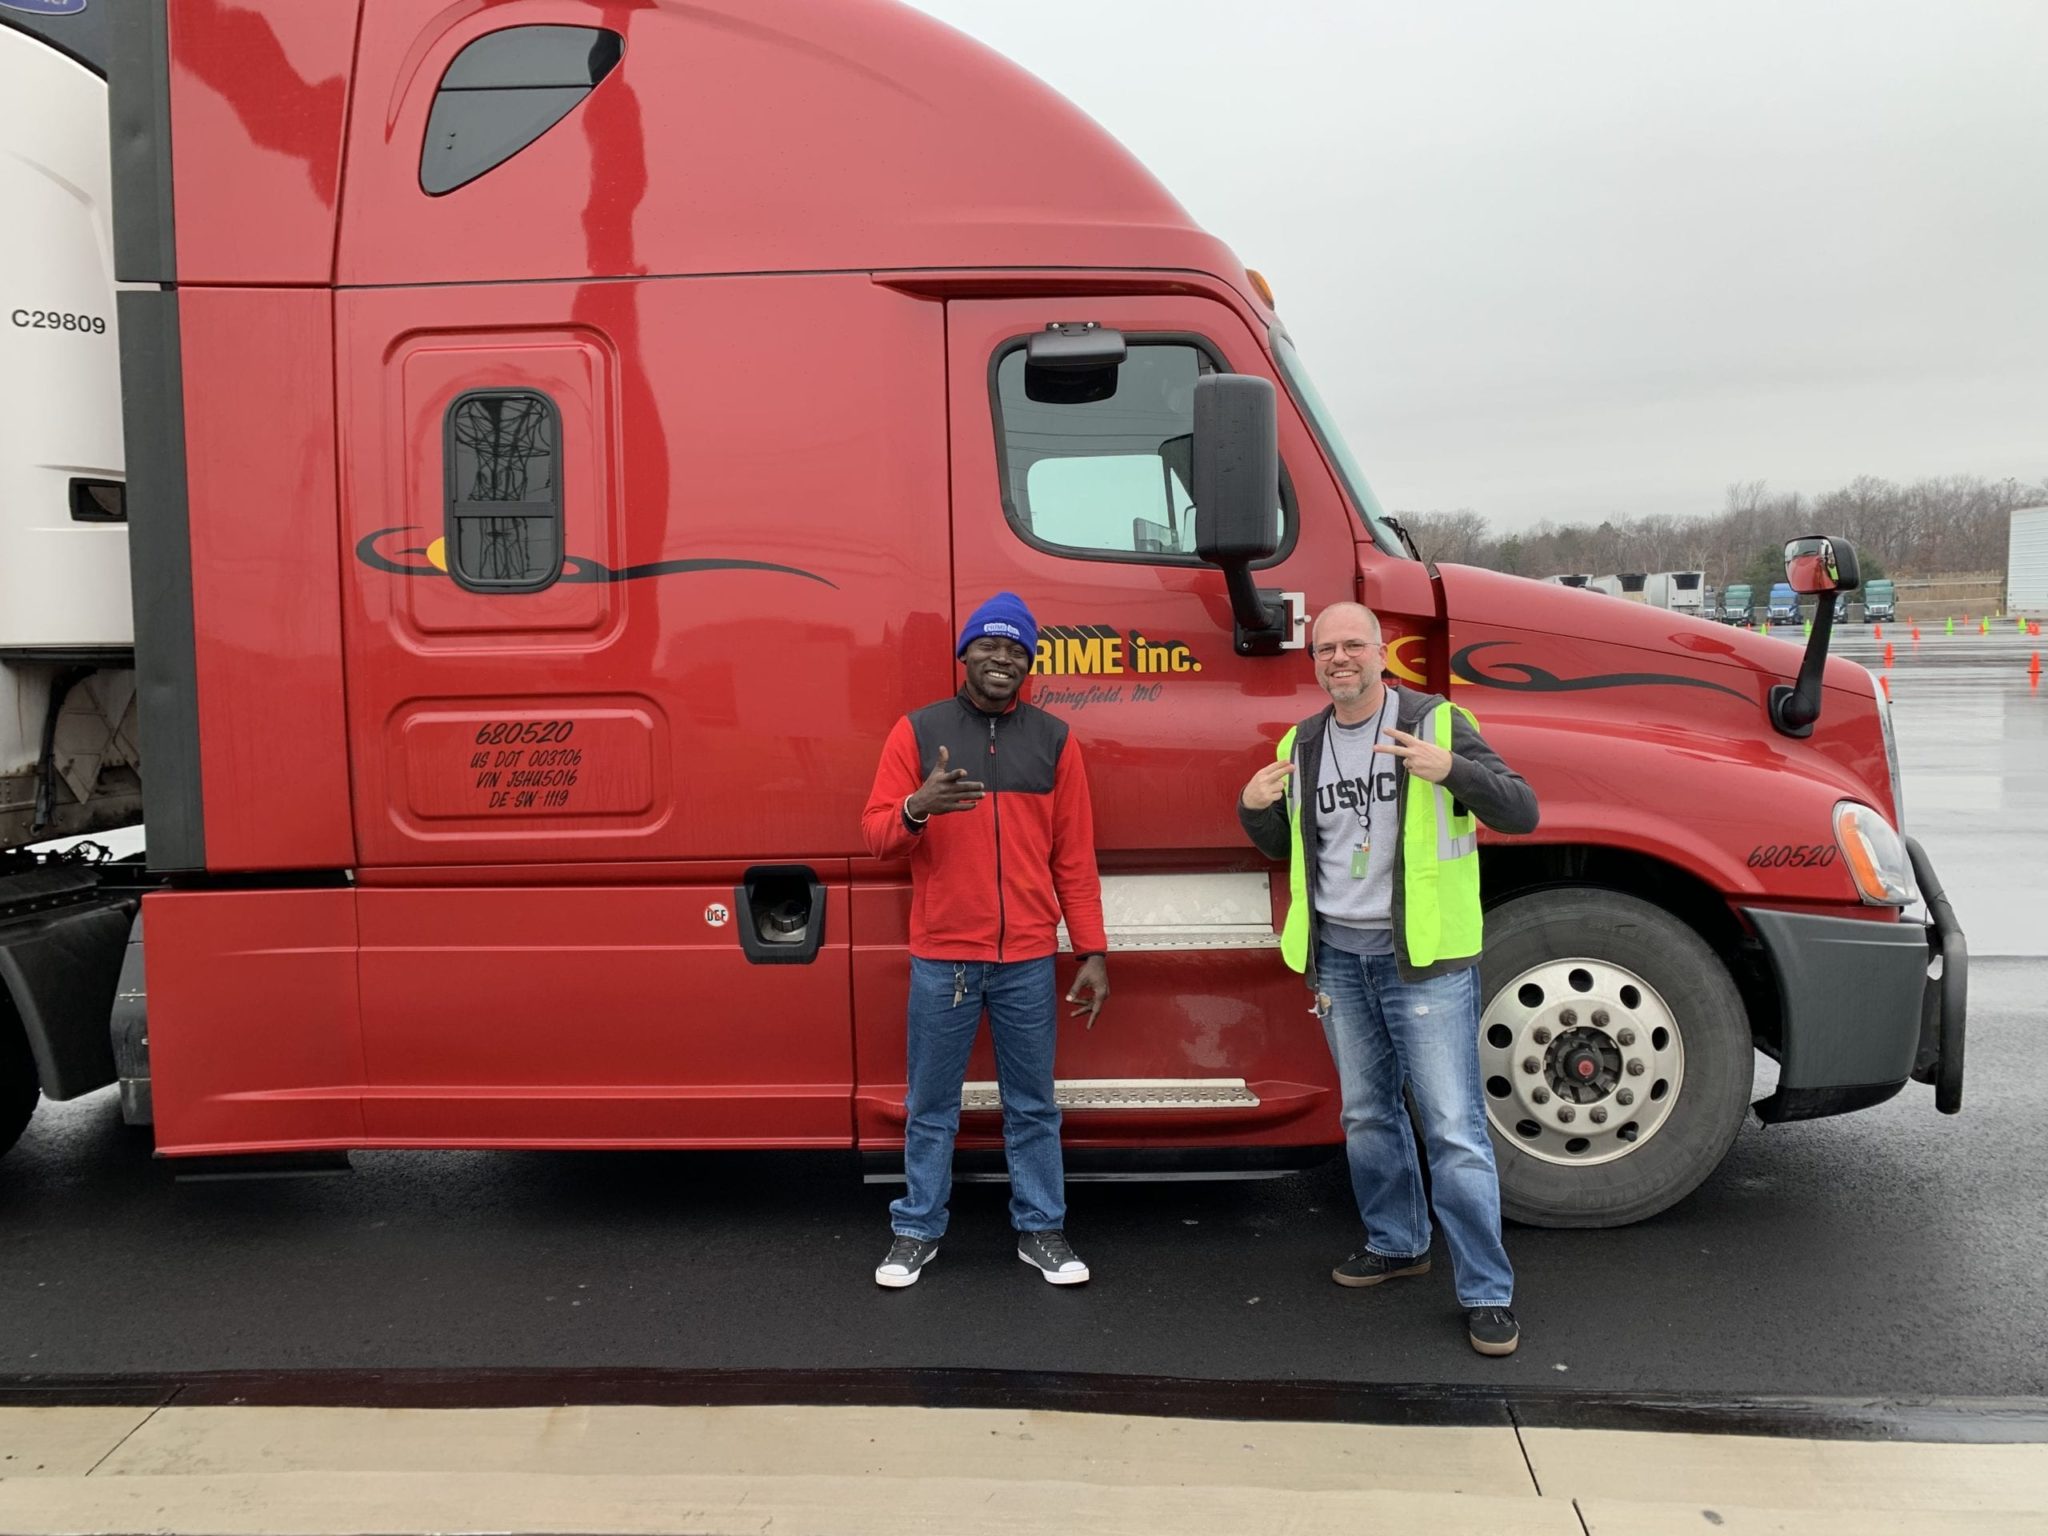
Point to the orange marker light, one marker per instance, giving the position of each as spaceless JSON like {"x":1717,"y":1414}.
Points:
{"x":1263,"y":288}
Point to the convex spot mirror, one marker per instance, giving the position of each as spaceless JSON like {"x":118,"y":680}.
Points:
{"x":1236,"y":475}
{"x":1817,"y":564}
{"x":1073,"y":363}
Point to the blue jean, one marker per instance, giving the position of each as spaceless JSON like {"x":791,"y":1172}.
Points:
{"x":1018,"y":997}
{"x":1384,"y":1031}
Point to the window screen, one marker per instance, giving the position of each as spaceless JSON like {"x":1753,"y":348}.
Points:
{"x":504,"y":91}
{"x":504,"y":529}
{"x":1111,"y":477}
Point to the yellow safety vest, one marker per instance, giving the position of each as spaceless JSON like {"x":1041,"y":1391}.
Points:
{"x":1440,"y":917}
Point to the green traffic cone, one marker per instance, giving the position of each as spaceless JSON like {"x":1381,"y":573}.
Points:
{"x":1951,"y":623}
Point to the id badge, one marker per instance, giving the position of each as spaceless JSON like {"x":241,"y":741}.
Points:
{"x":1360,"y":860}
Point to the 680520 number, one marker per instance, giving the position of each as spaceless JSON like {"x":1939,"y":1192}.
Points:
{"x":524,"y":733}
{"x":1792,"y":856}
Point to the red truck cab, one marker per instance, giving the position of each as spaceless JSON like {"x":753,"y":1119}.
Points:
{"x":564,"y":436}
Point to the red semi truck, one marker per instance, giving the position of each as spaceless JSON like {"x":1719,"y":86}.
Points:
{"x":562,"y":436}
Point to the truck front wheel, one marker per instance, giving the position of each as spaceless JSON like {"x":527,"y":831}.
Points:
{"x":19,"y":1085}
{"x":1615,"y":1055}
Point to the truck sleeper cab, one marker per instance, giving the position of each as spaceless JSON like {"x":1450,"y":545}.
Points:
{"x":542,"y":515}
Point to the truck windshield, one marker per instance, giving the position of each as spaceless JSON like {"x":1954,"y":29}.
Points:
{"x":1311,"y":403}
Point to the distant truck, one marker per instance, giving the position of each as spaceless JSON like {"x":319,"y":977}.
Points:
{"x":1569,"y":581}
{"x":1880,"y":601}
{"x":1783,"y":607}
{"x":1737,"y":603}
{"x":1680,"y":591}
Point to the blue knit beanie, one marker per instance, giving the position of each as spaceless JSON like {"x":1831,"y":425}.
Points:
{"x":1004,"y":616}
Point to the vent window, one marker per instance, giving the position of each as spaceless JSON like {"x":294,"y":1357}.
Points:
{"x":504,"y":91}
{"x":504,"y":527}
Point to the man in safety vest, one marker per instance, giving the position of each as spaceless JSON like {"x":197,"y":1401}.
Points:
{"x":1373,"y":803}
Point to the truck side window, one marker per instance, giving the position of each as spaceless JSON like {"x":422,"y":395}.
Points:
{"x":504,"y":517}
{"x":504,"y":91}
{"x":1109,"y":479}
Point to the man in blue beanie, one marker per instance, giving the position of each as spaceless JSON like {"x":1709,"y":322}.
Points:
{"x":999,"y":852}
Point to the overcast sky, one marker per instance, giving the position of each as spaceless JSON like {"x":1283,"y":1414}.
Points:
{"x":1567,"y":258}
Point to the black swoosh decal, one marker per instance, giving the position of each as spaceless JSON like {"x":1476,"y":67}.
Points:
{"x":578,"y":569}
{"x":1534,"y":679}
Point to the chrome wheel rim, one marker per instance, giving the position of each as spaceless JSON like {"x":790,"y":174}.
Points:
{"x":1581,"y":1061}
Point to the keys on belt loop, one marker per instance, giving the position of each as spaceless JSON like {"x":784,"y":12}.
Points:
{"x":959,"y":984}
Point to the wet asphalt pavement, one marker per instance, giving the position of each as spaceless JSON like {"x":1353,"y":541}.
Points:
{"x":1894,"y":1253}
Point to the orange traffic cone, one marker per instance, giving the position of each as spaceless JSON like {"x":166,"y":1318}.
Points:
{"x":1886,"y":684}
{"x":1887,"y":653}
{"x":2034,"y":667}
{"x":1877,"y":631}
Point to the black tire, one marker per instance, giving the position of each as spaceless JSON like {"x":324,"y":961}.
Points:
{"x":1719,"y":1058}
{"x":19,"y":1085}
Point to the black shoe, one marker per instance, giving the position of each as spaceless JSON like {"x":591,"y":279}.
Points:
{"x":906,"y":1261}
{"x":1493,"y":1330}
{"x":1052,"y":1255}
{"x":1368,"y":1268}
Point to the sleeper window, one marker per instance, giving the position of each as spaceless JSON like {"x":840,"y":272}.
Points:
{"x":504,"y":91}
{"x":504,"y":483}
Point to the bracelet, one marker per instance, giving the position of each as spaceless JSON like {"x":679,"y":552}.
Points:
{"x":916,"y":821}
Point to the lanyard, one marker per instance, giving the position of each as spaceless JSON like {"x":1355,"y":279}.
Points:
{"x":1363,"y":811}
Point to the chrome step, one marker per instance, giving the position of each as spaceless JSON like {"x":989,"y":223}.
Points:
{"x":1128,"y":1093}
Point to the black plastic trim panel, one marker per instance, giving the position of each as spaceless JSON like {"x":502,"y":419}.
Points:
{"x":1850,"y":989}
{"x":160,"y":577}
{"x":139,"y":138}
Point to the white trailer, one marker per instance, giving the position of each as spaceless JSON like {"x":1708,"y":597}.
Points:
{"x":1627,"y":585}
{"x":1680,"y":591}
{"x":69,"y":758}
{"x":2026,"y":563}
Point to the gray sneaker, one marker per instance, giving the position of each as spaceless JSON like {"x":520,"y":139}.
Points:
{"x":906,"y":1261}
{"x":1052,"y":1256}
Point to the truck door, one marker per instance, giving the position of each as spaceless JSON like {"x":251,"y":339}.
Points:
{"x":1083,"y":510}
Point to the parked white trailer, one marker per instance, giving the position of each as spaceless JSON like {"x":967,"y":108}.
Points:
{"x":1680,"y":591}
{"x":2026,"y":562}
{"x":1627,"y":585}
{"x":68,"y":747}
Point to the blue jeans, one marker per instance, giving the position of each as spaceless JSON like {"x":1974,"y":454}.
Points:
{"x":1384,"y":1031}
{"x":1019,"y":999}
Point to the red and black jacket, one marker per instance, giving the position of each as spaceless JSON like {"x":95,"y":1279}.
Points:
{"x":991,"y":882}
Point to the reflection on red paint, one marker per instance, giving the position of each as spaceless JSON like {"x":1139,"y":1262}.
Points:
{"x":281,"y":109}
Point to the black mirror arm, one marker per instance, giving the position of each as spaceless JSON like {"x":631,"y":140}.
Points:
{"x":1261,"y":621}
{"x":1407,"y":538}
{"x":1795,"y":709}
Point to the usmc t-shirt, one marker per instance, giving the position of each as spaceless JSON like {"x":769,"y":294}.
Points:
{"x":1356,"y":807}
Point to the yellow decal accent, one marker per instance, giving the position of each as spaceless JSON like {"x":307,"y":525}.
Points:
{"x":1097,"y":650}
{"x":1404,"y":660}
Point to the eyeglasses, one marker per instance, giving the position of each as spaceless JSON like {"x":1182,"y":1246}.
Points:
{"x":1324,"y":650}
